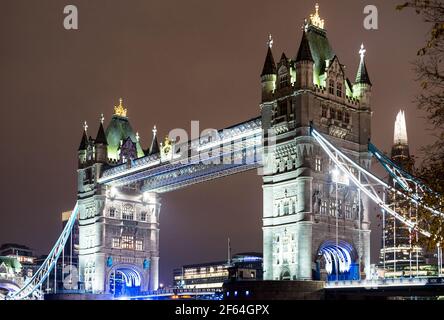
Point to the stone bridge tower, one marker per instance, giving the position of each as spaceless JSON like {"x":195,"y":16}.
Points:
{"x":311,"y":216}
{"x":118,"y":226}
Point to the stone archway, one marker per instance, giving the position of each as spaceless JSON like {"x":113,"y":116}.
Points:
{"x":125,"y":280}
{"x":285,"y":274}
{"x":337,"y":260}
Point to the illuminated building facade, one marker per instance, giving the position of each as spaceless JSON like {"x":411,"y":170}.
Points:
{"x":243,"y":266}
{"x":118,"y":226}
{"x":399,"y":255}
{"x":315,"y":225}
{"x":22,"y":253}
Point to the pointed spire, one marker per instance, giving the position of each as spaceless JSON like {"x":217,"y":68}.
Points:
{"x":269,"y":65}
{"x":304,"y":53}
{"x":362,"y":75}
{"x":84,"y":142}
{"x":154,"y":144}
{"x":400,"y":134}
{"x":284,"y":57}
{"x":101,"y":136}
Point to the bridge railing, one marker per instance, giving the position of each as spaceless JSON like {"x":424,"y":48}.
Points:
{"x":374,"y":283}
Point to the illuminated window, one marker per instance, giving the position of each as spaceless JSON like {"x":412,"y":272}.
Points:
{"x":112,"y":212}
{"x":128,"y":212}
{"x":318,"y":164}
{"x":116,"y":243}
{"x":139,"y":245}
{"x":286,"y":208}
{"x":127,"y":242}
{"x":332,"y":209}
{"x":348,"y":211}
{"x":331,"y":87}
{"x":339,"y":89}
{"x":324,"y":207}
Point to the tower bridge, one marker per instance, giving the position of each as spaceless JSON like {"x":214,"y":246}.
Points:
{"x":310,"y":142}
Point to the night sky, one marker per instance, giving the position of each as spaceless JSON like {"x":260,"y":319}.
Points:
{"x":172,"y":62}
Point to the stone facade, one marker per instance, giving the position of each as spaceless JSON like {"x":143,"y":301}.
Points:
{"x":299,"y":194}
{"x":118,"y":226}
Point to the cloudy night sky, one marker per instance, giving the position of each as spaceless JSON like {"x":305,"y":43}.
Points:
{"x":172,"y":62}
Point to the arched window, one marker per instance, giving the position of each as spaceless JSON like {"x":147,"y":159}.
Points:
{"x":128,"y":212}
{"x":283,"y":81}
{"x":339,"y":89}
{"x":112,"y":212}
{"x":286,"y":207}
{"x":283,"y":77}
{"x":331,"y":87}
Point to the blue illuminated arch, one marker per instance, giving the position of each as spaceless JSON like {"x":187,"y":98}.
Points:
{"x":340,"y":256}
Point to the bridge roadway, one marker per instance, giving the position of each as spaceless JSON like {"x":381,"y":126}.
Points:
{"x":221,"y":153}
{"x":344,"y":290}
{"x":206,"y":294}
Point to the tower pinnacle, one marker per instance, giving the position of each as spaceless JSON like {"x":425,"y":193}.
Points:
{"x":400,"y":135}
{"x":85,"y":127}
{"x":315,"y":18}
{"x":362,"y":75}
{"x":270,"y":41}
{"x":269,"y":64}
{"x":120,"y":110}
{"x":154,"y":144}
{"x":362,"y":52}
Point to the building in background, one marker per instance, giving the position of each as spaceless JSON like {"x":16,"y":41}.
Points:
{"x":24,"y":255}
{"x":212,"y":275}
{"x":400,"y":256}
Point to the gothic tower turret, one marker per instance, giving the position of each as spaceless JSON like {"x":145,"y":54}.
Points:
{"x":118,"y":225}
{"x":363,"y":86}
{"x":304,"y":65}
{"x":83,"y":146}
{"x":268,"y":75}
{"x":101,"y":144}
{"x":154,"y":149}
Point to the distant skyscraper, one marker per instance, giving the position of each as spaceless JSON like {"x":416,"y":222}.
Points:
{"x":399,"y":255}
